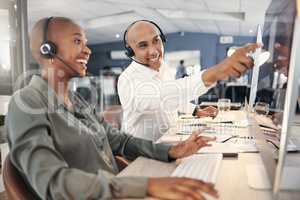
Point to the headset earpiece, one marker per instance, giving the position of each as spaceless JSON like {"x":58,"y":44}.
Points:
{"x":48,"y":49}
{"x":129,"y":51}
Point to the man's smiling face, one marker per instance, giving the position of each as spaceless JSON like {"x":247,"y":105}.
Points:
{"x":144,"y":38}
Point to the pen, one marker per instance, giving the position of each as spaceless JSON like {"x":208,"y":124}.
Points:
{"x":226,"y":122}
{"x":234,"y":136}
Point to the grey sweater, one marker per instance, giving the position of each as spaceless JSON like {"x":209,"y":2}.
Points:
{"x":60,"y":157}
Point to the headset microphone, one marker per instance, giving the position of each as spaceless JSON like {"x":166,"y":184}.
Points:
{"x":43,"y":48}
{"x":131,"y":58}
{"x":65,"y":63}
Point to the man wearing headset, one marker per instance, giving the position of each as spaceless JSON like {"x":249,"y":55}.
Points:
{"x":150,"y":96}
{"x":62,"y":154}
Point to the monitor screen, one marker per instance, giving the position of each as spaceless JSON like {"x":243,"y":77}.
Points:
{"x":277,"y":38}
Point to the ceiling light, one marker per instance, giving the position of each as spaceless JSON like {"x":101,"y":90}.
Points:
{"x":112,"y":20}
{"x":117,"y":35}
{"x":203,"y":15}
{"x":250,"y":31}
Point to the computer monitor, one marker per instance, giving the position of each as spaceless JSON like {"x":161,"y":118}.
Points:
{"x":277,"y":29}
{"x":282,"y":37}
{"x":292,"y":94}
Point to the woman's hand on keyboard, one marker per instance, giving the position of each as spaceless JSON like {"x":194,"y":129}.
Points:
{"x":190,"y":146}
{"x":180,"y":188}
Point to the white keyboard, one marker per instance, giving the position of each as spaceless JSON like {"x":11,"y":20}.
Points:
{"x":199,"y":166}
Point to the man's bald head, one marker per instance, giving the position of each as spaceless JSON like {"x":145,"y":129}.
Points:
{"x":37,"y":33}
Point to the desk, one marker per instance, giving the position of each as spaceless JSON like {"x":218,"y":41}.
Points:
{"x":231,"y":182}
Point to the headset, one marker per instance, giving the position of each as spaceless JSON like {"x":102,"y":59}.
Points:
{"x":128,"y":50}
{"x":48,"y":49}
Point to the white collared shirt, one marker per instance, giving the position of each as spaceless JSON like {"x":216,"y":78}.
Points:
{"x":151,"y":99}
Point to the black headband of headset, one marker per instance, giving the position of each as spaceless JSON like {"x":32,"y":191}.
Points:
{"x":46,"y":29}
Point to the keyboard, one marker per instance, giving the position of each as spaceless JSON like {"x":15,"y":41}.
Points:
{"x":187,"y":126}
{"x":199,"y":166}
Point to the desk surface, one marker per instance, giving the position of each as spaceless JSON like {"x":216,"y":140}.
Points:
{"x":231,"y":182}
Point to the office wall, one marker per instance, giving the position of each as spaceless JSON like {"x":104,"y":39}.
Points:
{"x":211,"y":51}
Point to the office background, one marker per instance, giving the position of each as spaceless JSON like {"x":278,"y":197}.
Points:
{"x":192,"y":25}
{"x":209,"y":45}
{"x":210,"y":26}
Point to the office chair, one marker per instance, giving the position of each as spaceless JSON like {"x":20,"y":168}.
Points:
{"x":113,"y":116}
{"x":14,"y":184}
{"x":16,"y":188}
